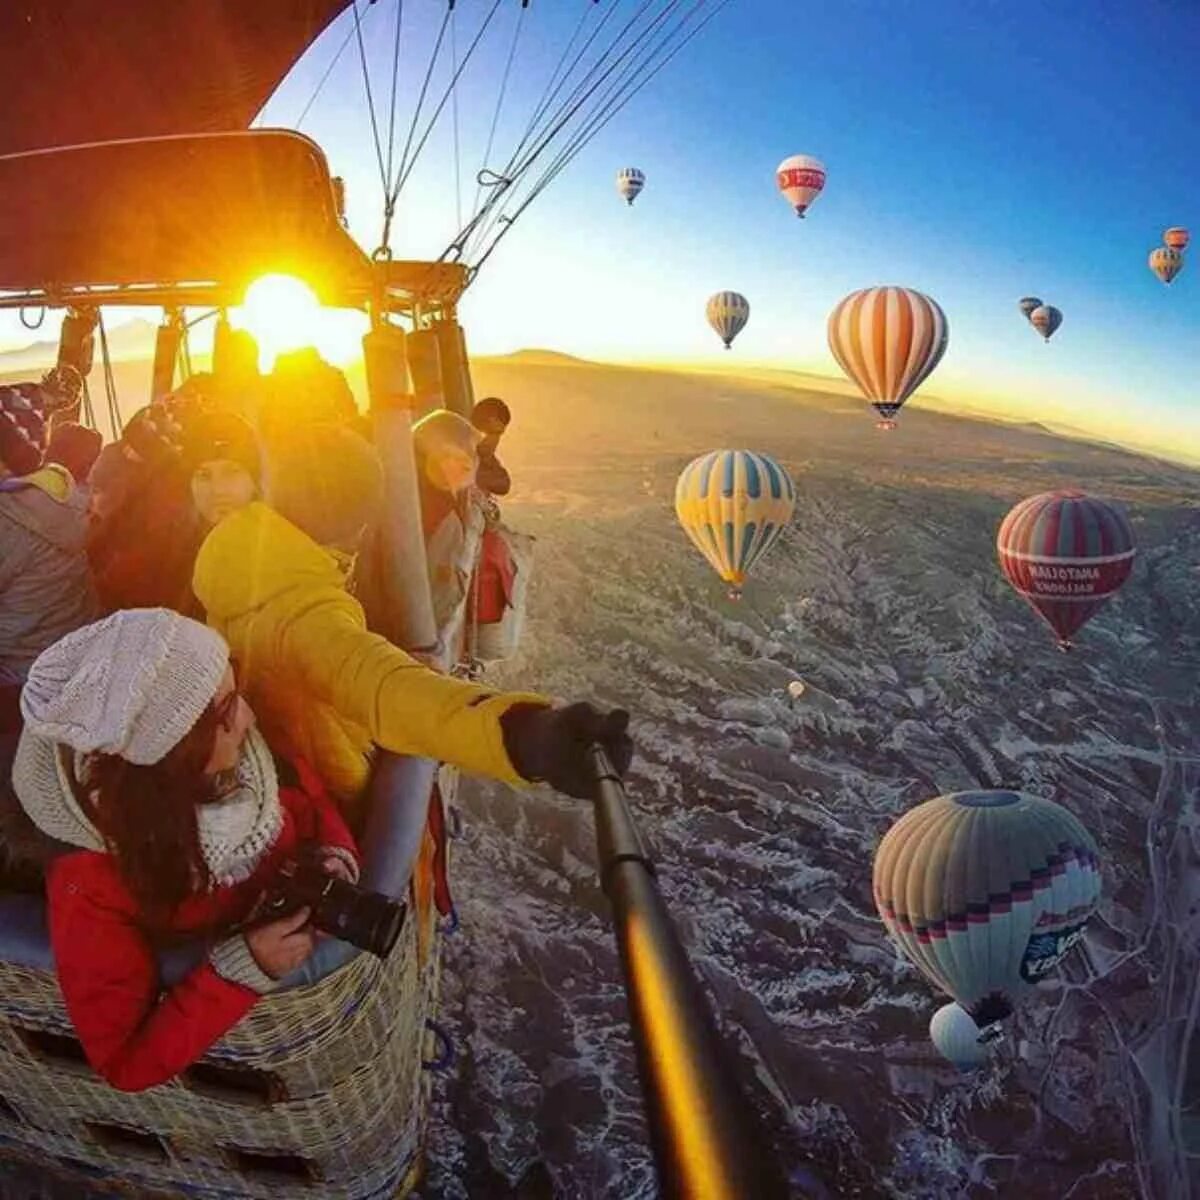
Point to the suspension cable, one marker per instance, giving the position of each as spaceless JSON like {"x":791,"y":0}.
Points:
{"x":110,"y":382}
{"x":597,"y":122}
{"x":512,"y":51}
{"x":366,"y":75}
{"x":457,"y":152}
{"x":391,"y":142}
{"x":325,"y":78}
{"x":576,"y":101}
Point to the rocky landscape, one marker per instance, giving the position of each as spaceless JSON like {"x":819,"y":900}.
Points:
{"x":924,"y":674}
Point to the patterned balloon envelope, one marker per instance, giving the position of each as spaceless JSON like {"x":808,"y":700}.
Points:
{"x":728,"y":313}
{"x":1067,"y":553}
{"x":1176,"y":238}
{"x":1027,"y":304}
{"x":1166,"y":263}
{"x":1046,"y":319}
{"x":888,"y":340}
{"x":630,"y":182}
{"x":985,"y":893}
{"x":801,"y":179}
{"x":734,"y":504}
{"x":957,"y":1037}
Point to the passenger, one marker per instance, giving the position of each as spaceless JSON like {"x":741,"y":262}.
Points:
{"x":304,"y":390}
{"x":220,"y":454}
{"x":75,"y":447}
{"x":139,"y":750}
{"x":22,"y":433}
{"x":272,"y":581}
{"x":491,"y":417}
{"x":445,"y":448}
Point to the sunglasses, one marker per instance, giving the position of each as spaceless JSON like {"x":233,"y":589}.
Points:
{"x":226,"y":711}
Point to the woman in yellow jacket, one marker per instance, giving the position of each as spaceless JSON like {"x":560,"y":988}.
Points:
{"x":325,"y":688}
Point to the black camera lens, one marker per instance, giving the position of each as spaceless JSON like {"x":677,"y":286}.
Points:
{"x":368,"y":920}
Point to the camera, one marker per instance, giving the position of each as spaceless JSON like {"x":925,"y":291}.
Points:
{"x":368,"y":920}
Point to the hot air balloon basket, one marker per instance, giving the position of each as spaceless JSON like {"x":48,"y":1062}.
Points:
{"x":319,"y":1091}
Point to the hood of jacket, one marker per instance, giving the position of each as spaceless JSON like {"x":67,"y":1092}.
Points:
{"x":50,"y":507}
{"x":255,"y":556}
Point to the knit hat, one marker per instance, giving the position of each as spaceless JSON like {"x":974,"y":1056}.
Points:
{"x":22,"y":429}
{"x":327,"y":481}
{"x":75,"y":447}
{"x":154,"y":433}
{"x":133,"y":684}
{"x":212,"y":435}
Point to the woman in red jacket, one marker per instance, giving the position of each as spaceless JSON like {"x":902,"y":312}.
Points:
{"x":138,"y":749}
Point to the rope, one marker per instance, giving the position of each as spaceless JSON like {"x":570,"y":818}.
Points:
{"x":512,"y":51}
{"x":601,"y":117}
{"x":395,"y":79}
{"x":457,"y":151}
{"x":110,"y":382}
{"x":366,"y":74}
{"x":32,"y":324}
{"x":325,"y":78}
{"x":89,"y":415}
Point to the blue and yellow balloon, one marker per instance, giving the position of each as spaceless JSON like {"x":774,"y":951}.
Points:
{"x":733,"y":504}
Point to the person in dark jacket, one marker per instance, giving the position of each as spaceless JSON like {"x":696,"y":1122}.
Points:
{"x":142,"y":757}
{"x":491,"y":417}
{"x":75,"y":447}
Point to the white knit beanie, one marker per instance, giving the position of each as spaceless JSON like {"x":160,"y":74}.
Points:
{"x":132,"y":685}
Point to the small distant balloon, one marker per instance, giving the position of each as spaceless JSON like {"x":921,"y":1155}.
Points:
{"x":630,"y":182}
{"x":956,"y":1036}
{"x":796,"y":689}
{"x":985,"y":892}
{"x":728,"y":313}
{"x":1068,"y":554}
{"x":1027,"y":304}
{"x":1176,"y":238}
{"x":734,"y":504}
{"x":1166,"y":263}
{"x":1045,"y":319}
{"x":800,"y":178}
{"x":888,"y":341}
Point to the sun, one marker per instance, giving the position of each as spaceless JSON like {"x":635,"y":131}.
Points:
{"x":283,"y":313}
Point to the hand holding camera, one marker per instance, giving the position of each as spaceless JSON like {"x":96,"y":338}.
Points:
{"x":280,"y":946}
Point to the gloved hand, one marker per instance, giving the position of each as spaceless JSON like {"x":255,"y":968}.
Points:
{"x":551,"y":744}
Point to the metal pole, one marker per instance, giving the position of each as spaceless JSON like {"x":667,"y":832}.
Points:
{"x":705,"y":1143}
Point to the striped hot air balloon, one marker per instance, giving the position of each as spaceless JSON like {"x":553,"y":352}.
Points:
{"x":630,"y":182}
{"x":728,"y":313}
{"x":1067,"y":553}
{"x":1027,"y":304}
{"x":985,"y":892}
{"x":1045,"y":319}
{"x":1166,"y":263}
{"x":957,"y":1037}
{"x":1176,"y":238}
{"x":888,"y":340}
{"x":800,"y":179}
{"x":733,"y":504}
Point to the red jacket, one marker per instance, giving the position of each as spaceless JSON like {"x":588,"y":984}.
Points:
{"x":104,"y":953}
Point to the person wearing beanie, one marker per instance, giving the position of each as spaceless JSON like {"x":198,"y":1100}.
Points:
{"x":326,"y":690}
{"x":22,"y":432}
{"x":491,"y":417}
{"x":141,"y":756}
{"x":303,"y":391}
{"x":75,"y":447}
{"x":220,"y":454}
{"x":45,"y":584}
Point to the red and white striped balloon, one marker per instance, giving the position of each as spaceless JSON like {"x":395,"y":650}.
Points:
{"x":888,"y":340}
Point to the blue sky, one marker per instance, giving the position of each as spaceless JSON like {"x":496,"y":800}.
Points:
{"x":976,"y":151}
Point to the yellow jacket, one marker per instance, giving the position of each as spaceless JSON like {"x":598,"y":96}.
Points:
{"x":322,"y":686}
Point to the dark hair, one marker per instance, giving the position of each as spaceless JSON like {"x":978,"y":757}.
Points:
{"x":490,"y":406}
{"x":147,"y":816}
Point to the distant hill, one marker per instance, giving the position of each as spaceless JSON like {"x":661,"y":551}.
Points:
{"x":536,"y":357}
{"x":127,"y":342}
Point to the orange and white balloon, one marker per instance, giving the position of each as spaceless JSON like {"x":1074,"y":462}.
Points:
{"x":801,"y":178}
{"x":1166,"y":263}
{"x":888,"y":340}
{"x":1176,"y":238}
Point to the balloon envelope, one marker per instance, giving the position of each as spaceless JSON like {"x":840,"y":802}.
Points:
{"x":985,"y":892}
{"x":888,"y":340}
{"x":796,"y":689}
{"x":1176,"y":238}
{"x":728,"y":313}
{"x":1166,"y":263}
{"x":1045,"y":319}
{"x":1067,"y":553}
{"x":630,"y":182}
{"x":955,"y":1034}
{"x":733,"y":504}
{"x":1027,"y":304}
{"x":800,"y":179}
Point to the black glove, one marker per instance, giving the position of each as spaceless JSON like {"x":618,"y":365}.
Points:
{"x":551,"y":744}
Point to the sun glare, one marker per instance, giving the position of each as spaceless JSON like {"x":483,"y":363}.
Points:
{"x":283,"y":313}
